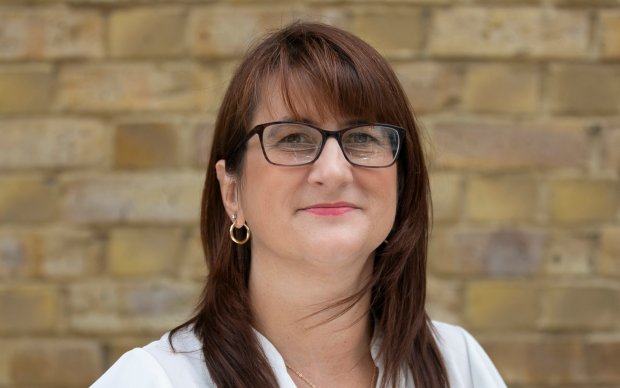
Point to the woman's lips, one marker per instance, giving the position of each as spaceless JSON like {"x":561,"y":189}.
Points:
{"x":330,"y":209}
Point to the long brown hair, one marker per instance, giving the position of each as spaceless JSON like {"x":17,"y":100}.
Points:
{"x":345,"y":76}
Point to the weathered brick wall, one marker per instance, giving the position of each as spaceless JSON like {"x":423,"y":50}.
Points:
{"x":106,"y":111}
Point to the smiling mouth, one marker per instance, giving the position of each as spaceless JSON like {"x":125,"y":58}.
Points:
{"x":330,"y":209}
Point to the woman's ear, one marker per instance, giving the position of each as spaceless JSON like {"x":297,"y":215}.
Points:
{"x":229,"y":188}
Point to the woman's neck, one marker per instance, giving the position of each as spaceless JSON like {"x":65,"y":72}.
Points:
{"x":289,"y":308}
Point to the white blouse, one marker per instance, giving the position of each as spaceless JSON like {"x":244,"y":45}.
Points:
{"x":158,"y":366}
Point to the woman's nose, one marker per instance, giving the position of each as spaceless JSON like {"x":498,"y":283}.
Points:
{"x":331,"y":168}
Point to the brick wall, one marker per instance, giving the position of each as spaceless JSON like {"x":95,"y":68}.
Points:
{"x":106,"y":111}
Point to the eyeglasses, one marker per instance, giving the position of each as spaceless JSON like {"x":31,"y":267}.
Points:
{"x":287,"y":143}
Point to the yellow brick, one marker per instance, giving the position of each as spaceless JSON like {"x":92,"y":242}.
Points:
{"x":26,"y":308}
{"x":575,"y":307}
{"x":147,"y":87}
{"x":584,"y":89}
{"x":50,"y":32}
{"x":71,"y":254}
{"x":602,"y":356}
{"x":27,"y":199}
{"x":502,"y":146}
{"x":146,"y":145}
{"x":509,"y":32}
{"x":194,"y":265}
{"x":396,"y":32}
{"x":446,"y":190}
{"x":610,"y":33}
{"x":430,"y":86}
{"x":579,"y":201}
{"x":202,"y":138}
{"x":609,"y":257}
{"x":569,"y":254}
{"x":144,"y":252}
{"x":25,"y":89}
{"x":57,"y":363}
{"x":144,"y":32}
{"x":502,"y":89}
{"x":133,"y":197}
{"x":445,"y":300}
{"x":492,"y":252}
{"x":502,"y":305}
{"x":502,"y":198}
{"x":611,"y":148}
{"x":227,"y":31}
{"x":549,"y":360}
{"x":52,"y":143}
{"x":20,"y":254}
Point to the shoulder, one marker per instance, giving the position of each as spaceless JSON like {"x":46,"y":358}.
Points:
{"x":467,"y":363}
{"x":158,"y":365}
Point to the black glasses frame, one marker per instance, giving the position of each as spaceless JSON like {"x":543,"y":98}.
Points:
{"x":337,"y":134}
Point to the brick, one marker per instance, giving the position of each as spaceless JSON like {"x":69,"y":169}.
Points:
{"x":431,"y":87}
{"x":396,"y":32}
{"x":502,"y":89}
{"x":502,"y":305}
{"x":27,"y":198}
{"x":222,"y":32}
{"x":571,"y":91}
{"x":202,"y":140}
{"x":71,"y":254}
{"x":50,"y":33}
{"x":57,"y":362}
{"x":609,"y":20}
{"x":611,"y":148}
{"x":609,"y":256}
{"x":504,"y":146}
{"x":574,"y":307}
{"x":8,"y":349}
{"x":502,"y":198}
{"x":25,"y":88}
{"x":193,"y":265}
{"x":144,"y":32}
{"x":445,"y":300}
{"x":508,"y":252}
{"x":53,"y":143}
{"x":446,"y":190}
{"x":146,"y":145}
{"x":130,"y":87}
{"x":147,"y":197}
{"x":602,"y":359}
{"x":509,"y":32}
{"x":569,"y":254}
{"x":145,"y":251}
{"x":584,"y":201}
{"x":549,"y":360}
{"x":20,"y":254}
{"x":116,"y":347}
{"x":28,"y":308}
{"x":131,"y":308}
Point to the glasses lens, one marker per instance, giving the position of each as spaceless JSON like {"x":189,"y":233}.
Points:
{"x":371,"y":145}
{"x":291,"y":144}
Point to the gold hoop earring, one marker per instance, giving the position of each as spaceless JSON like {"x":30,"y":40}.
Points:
{"x":231,"y":231}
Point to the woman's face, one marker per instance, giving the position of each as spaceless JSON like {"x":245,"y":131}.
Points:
{"x":328,"y":214}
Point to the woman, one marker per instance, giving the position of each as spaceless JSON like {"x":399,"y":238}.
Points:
{"x":314,"y":222}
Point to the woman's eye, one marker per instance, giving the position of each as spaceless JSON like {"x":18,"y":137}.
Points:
{"x":362,"y":138}
{"x":294,"y":138}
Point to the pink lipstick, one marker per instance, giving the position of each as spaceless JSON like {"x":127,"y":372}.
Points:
{"x":330,"y":209}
